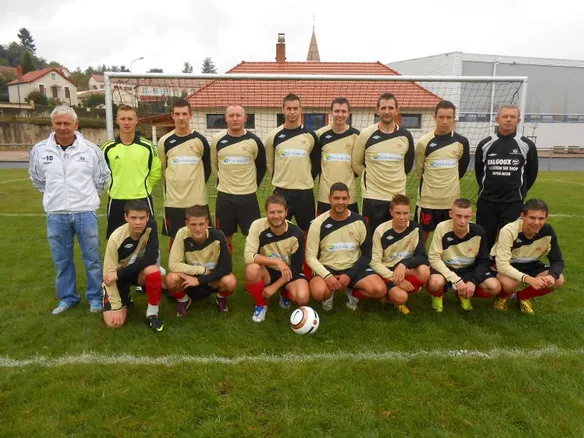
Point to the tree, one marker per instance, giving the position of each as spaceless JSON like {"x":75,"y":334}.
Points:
{"x":188,"y":68}
{"x":26,"y":40}
{"x":208,"y":66}
{"x":37,"y":98}
{"x":155,"y":70}
{"x":26,"y":62}
{"x":95,"y":101}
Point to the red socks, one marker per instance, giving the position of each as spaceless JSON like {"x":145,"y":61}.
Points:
{"x":530,"y":292}
{"x":479,"y":293}
{"x":256,"y":290}
{"x":440,"y":293}
{"x":307,"y":271}
{"x":358,"y":293}
{"x":154,"y":288}
{"x":416,"y":282}
{"x":230,"y":246}
{"x":225,"y":293}
{"x":179,"y":294}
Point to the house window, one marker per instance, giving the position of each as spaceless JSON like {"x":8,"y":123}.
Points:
{"x":53,"y":76}
{"x":217,"y":121}
{"x":155,"y":91}
{"x":411,"y":121}
{"x":145,"y":91}
{"x":67,"y":93}
{"x":55,"y":92}
{"x":166,"y":93}
{"x":314,"y":121}
{"x":42,"y":90}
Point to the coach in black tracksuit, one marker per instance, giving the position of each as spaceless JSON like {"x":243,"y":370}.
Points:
{"x":506,"y":168}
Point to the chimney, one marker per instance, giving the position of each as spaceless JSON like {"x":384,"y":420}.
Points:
{"x":281,"y":48}
{"x":19,"y":72}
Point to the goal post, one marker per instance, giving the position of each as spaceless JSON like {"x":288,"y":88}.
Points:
{"x":477,"y":99}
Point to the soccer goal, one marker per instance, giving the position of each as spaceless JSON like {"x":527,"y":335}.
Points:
{"x":477,"y":100}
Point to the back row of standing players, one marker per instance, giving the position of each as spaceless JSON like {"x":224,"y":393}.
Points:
{"x":383,"y":154}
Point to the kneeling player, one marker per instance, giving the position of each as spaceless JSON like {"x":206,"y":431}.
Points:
{"x":130,"y":259}
{"x":459,"y":255}
{"x":519,"y":248}
{"x":399,"y":256}
{"x":200,"y":263}
{"x":338,"y":251}
{"x":274,"y":249}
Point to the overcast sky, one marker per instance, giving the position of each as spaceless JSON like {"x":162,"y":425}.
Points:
{"x":168,"y":33}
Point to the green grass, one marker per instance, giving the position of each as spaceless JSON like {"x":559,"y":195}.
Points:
{"x":424,"y":395}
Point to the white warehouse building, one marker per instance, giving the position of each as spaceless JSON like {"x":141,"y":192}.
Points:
{"x":555,"y":92}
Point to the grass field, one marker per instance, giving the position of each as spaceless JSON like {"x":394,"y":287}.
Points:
{"x":372,"y":373}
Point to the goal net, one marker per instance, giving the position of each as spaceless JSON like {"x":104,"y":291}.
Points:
{"x":477,"y":101}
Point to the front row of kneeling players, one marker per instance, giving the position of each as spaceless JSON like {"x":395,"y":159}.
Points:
{"x":390,"y":265}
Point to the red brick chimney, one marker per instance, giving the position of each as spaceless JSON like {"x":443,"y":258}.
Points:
{"x":19,"y":72}
{"x":281,"y":48}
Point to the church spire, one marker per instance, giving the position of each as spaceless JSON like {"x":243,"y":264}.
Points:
{"x":313,"y":54}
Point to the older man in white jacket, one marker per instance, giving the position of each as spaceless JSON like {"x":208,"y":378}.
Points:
{"x":71,"y":173}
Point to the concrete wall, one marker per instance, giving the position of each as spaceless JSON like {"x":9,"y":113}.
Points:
{"x":28,"y":133}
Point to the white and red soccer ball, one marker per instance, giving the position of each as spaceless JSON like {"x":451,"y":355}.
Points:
{"x":304,"y":320}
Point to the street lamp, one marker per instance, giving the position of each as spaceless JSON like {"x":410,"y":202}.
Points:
{"x":137,"y":59}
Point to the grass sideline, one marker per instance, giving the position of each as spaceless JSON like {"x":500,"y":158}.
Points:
{"x":392,"y":388}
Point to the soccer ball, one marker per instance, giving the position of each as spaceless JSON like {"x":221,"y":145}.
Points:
{"x":304,"y":320}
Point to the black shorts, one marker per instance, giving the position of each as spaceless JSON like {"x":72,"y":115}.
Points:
{"x":429,"y":218}
{"x":123,"y":290}
{"x":360,"y":275}
{"x":375,"y":212}
{"x":175,"y":218}
{"x":275,"y":276}
{"x":533,"y":269}
{"x":234,"y":210}
{"x":467,"y":274}
{"x":115,"y":213}
{"x":200,"y":292}
{"x":300,"y":205}
{"x":321,"y":207}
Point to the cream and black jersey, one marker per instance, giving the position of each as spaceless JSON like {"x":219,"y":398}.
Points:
{"x":129,"y":257}
{"x":383,"y":160}
{"x":441,"y":161}
{"x":391,"y":248}
{"x":288,"y":246}
{"x":514,"y":250}
{"x":238,"y":162}
{"x":449,"y":253}
{"x":135,"y":168}
{"x":186,"y":162}
{"x":335,"y":162}
{"x":338,"y":245}
{"x":193,"y":258}
{"x":293,"y":157}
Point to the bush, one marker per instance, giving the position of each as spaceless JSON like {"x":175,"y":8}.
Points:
{"x":37,"y":98}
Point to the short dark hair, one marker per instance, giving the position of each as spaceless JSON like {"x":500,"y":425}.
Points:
{"x":291,"y":97}
{"x":126,"y":108}
{"x":387,"y":96}
{"x":341,"y":101}
{"x":535,"y":205}
{"x":180,"y":103}
{"x":461,"y":203}
{"x":137,"y":205}
{"x":445,"y":104}
{"x":197,"y":211}
{"x":339,"y":187}
{"x":400,"y":200}
{"x":276,"y":199}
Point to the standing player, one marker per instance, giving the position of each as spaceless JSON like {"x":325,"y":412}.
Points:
{"x":459,"y":255}
{"x":338,"y":249}
{"x":134,"y":165}
{"x":238,"y":158}
{"x":200,"y":263}
{"x":274,"y":249}
{"x":442,"y":157}
{"x":71,"y":174}
{"x":336,"y":141}
{"x":130,"y":259}
{"x":506,"y":168}
{"x":186,"y":162}
{"x":399,"y":255}
{"x":383,"y":155}
{"x":519,"y":248}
